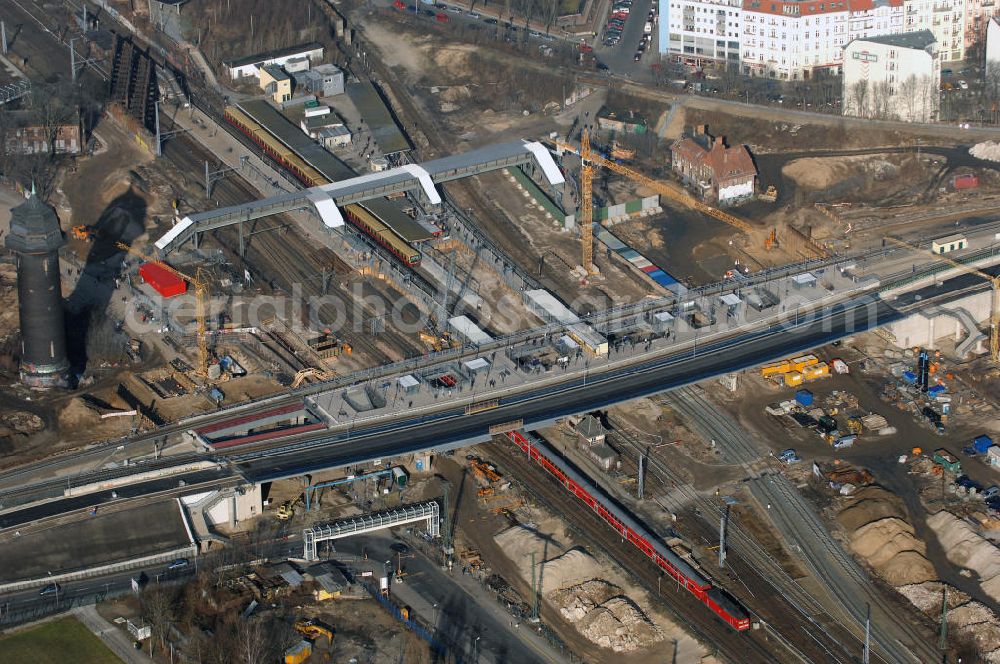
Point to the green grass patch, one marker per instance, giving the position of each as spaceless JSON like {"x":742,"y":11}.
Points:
{"x":567,"y":7}
{"x":55,"y":642}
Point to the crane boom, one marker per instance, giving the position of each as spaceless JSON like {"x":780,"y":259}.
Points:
{"x":200,"y":301}
{"x":587,"y":202}
{"x":669,"y":190}
{"x":993,"y":281}
{"x":673,"y":192}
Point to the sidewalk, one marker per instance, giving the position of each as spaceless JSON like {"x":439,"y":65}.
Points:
{"x":118,"y":640}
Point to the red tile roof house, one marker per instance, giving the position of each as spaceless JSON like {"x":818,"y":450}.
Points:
{"x":718,"y":174}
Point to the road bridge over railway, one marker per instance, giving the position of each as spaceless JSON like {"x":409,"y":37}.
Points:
{"x":325,"y":199}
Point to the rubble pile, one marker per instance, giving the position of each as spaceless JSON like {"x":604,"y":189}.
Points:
{"x":606,"y":617}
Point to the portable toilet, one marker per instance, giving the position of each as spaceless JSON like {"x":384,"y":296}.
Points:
{"x":399,"y":476}
{"x":804,"y":397}
{"x":982,"y":443}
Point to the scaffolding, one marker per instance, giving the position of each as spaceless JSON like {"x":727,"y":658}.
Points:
{"x":429,"y":512}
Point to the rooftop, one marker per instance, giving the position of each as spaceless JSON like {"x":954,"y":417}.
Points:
{"x":276,"y":72}
{"x":34,"y":227}
{"x":373,"y":111}
{"x":918,"y":40}
{"x":272,"y":55}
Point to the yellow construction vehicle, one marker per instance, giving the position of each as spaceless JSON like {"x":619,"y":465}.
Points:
{"x":438,"y":342}
{"x":771,"y":195}
{"x":314,"y":629}
{"x":994,"y":283}
{"x":772,"y":240}
{"x":854,"y":425}
{"x":200,"y":284}
{"x":485,"y":492}
{"x":286,"y":510}
{"x":589,"y":159}
{"x":86,"y":233}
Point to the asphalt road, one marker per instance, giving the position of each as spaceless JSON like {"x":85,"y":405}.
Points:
{"x":457,"y":616}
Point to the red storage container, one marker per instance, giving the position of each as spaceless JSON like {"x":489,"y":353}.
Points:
{"x":965,"y":181}
{"x":162,"y":280}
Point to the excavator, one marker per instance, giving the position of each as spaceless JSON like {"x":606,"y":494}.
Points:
{"x":314,"y":629}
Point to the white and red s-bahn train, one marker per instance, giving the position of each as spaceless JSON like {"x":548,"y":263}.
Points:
{"x":717,"y":600}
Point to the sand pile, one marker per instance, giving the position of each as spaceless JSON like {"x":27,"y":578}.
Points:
{"x":988,"y":150}
{"x":879,"y":533}
{"x":891,"y":548}
{"x":966,"y":548}
{"x":606,"y":617}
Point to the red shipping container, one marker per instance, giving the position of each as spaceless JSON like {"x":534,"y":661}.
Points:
{"x":968,"y":181}
{"x":162,"y":280}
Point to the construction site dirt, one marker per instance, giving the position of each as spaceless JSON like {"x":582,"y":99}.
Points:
{"x":762,"y":646}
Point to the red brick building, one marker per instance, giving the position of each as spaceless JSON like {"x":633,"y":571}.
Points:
{"x":717,"y":173}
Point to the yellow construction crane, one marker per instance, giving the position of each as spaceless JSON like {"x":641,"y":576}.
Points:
{"x":587,"y":202}
{"x":589,"y":159}
{"x":200,"y":285}
{"x":993,"y":281}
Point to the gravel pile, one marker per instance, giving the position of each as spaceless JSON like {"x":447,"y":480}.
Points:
{"x":967,"y":548}
{"x":988,"y":150}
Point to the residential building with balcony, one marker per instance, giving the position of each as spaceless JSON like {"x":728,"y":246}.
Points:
{"x":697,"y":32}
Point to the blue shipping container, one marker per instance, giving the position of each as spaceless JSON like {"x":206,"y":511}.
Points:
{"x":935,"y":390}
{"x":804,"y":397}
{"x":909,"y":377}
{"x":982,"y":443}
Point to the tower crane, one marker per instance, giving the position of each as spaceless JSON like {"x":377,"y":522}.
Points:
{"x":589,"y":159}
{"x":200,"y":284}
{"x":993,"y":281}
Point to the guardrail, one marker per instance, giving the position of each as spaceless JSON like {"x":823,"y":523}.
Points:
{"x":102,"y":570}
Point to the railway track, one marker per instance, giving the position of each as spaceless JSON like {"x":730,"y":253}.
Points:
{"x":750,"y":564}
{"x":827,"y":560}
{"x":751,"y":647}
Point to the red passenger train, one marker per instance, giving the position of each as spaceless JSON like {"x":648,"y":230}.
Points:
{"x":676,"y":567}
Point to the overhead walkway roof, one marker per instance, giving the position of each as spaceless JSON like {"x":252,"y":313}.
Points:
{"x":327,"y":198}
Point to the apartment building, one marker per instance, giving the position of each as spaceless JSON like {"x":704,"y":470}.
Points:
{"x":700,"y":31}
{"x":892,"y":77}
{"x":946,"y":21}
{"x":795,"y":39}
{"x":977,"y":17}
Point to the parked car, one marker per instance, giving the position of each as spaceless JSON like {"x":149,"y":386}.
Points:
{"x":490,"y":21}
{"x":475,"y":15}
{"x":963,"y":85}
{"x":969,"y":450}
{"x":180,"y":563}
{"x":991,"y":492}
{"x":51,"y":589}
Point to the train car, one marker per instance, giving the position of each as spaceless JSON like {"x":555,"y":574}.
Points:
{"x":385,"y":236}
{"x":360,"y":216}
{"x":278,"y":151}
{"x":716,"y":599}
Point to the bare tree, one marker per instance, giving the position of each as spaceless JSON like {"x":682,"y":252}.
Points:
{"x":858,"y":98}
{"x":159,"y":611}
{"x":882,"y":101}
{"x":251,"y":641}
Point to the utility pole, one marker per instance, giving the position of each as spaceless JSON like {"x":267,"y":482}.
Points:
{"x":446,"y":533}
{"x":723,"y":522}
{"x":534,"y":590}
{"x":943,"y":638}
{"x":866,"y":655}
{"x":642,"y":473}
